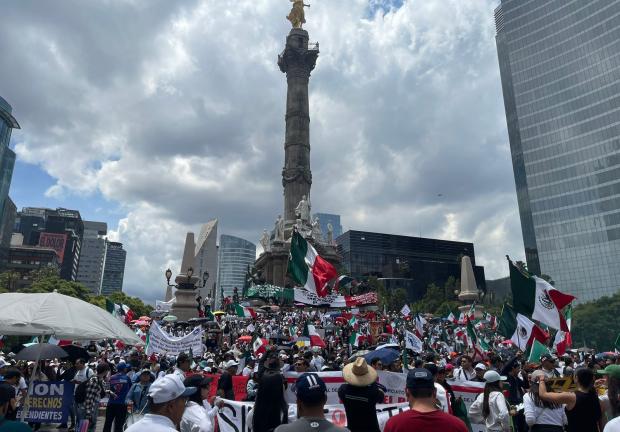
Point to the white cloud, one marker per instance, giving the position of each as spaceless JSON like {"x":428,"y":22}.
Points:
{"x":175,"y":111}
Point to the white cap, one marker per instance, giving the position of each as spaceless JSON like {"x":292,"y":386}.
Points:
{"x":169,"y":387}
{"x":492,"y":376}
{"x":481,"y":366}
{"x":231,"y":363}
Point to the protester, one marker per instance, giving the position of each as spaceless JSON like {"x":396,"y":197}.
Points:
{"x":183,"y":366}
{"x":116,"y":411}
{"x":196,"y":418}
{"x":610,"y":401}
{"x":311,"y":394}
{"x":270,"y":409}
{"x":490,"y":407}
{"x":376,"y":363}
{"x":360,"y":396}
{"x":167,"y":399}
{"x":540,"y":415}
{"x":251,"y":387}
{"x":583,"y":409}
{"x":95,"y":389}
{"x":442,"y":395}
{"x":423,"y":415}
{"x":7,"y":394}
{"x":138,"y":393}
{"x":479,"y":371}
{"x":547,"y":363}
{"x":516,"y":390}
{"x":225,"y":384}
{"x":466,"y":371}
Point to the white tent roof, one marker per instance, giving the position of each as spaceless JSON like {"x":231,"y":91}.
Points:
{"x":60,"y":315}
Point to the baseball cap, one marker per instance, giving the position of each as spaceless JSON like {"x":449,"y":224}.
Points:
{"x":611,"y":370}
{"x":169,"y":387}
{"x":492,"y":376}
{"x":122,"y":366}
{"x":420,"y":378}
{"x":481,"y":366}
{"x":310,"y":388}
{"x":549,"y":357}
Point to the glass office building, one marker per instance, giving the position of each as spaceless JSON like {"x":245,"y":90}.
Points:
{"x":114,"y":268}
{"x":236,"y":255}
{"x":7,"y":163}
{"x":560,"y":68}
{"x":412,"y":263}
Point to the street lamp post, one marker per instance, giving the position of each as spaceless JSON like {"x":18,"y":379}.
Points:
{"x":185,"y":283}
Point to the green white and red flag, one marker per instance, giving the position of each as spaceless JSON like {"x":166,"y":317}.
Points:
{"x":315,"y":337}
{"x":563,"y":339}
{"x":536,"y":298}
{"x":307,"y":268}
{"x":246,"y":312}
{"x":519,"y":329}
{"x":259,"y":345}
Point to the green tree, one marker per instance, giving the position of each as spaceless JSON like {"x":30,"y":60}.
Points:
{"x":8,"y":281}
{"x":593,"y":323}
{"x":55,"y":283}
{"x":135,"y":304}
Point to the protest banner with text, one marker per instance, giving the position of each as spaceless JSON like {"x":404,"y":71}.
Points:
{"x":160,"y":342}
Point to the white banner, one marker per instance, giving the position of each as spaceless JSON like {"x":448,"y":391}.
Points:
{"x":405,"y":310}
{"x":161,"y":342}
{"x":413,"y":342}
{"x":162,"y":306}
{"x":309,"y":298}
{"x":233,"y":417}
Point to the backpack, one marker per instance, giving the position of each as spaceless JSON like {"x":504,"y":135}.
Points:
{"x":80,"y":391}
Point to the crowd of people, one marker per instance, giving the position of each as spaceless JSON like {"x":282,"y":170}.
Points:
{"x":160,"y":392}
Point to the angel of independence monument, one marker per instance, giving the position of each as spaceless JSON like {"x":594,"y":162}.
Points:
{"x":297,"y":61}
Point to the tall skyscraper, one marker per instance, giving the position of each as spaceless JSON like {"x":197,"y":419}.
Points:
{"x":235,"y":256}
{"x":560,"y":69}
{"x":114,"y":268}
{"x":60,"y":229}
{"x":92,"y":256}
{"x":328,"y":218}
{"x":7,"y":163}
{"x":206,"y":257}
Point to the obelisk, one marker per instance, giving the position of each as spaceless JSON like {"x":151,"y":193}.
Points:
{"x":297,"y":61}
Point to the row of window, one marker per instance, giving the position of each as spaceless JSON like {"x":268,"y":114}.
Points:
{"x":576,"y":198}
{"x":587,"y":79}
{"x":536,"y":48}
{"x":585,"y":224}
{"x":585,"y":168}
{"x":566,"y":214}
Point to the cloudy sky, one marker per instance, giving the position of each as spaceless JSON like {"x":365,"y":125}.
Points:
{"x":157,"y":115}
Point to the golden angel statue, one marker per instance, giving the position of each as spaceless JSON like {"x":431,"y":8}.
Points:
{"x":297,"y":17}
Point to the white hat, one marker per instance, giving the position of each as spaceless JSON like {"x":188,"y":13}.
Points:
{"x":492,"y":376}
{"x":231,"y":363}
{"x":169,"y":387}
{"x":481,"y":366}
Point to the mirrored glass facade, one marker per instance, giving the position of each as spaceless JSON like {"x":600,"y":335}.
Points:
{"x":235,"y":256}
{"x":560,"y":69}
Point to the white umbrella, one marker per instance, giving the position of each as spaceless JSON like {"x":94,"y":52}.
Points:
{"x":60,"y":315}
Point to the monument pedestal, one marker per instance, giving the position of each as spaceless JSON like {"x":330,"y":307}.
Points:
{"x":478,"y":310}
{"x":185,"y":306}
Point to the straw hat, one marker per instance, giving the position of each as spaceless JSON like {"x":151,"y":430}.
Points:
{"x":359,"y":374}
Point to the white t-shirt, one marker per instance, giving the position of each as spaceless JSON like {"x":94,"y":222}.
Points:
{"x":613,"y":425}
{"x":83,"y":375}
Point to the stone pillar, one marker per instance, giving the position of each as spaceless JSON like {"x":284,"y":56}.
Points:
{"x":297,"y":61}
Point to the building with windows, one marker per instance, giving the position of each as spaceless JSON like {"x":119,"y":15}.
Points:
{"x":25,"y":259}
{"x":7,"y":163}
{"x":114,"y":268}
{"x":236,"y":256}
{"x":328,"y":218}
{"x":560,"y":70}
{"x":60,"y":229}
{"x":92,"y":257}
{"x":411,"y":263}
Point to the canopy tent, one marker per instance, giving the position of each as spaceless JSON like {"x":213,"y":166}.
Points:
{"x":59,"y":315}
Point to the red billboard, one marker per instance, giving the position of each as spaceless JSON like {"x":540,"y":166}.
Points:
{"x":54,"y":241}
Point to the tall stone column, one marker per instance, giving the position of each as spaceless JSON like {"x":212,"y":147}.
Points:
{"x":297,"y":61}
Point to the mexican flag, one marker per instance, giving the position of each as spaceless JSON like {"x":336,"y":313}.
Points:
{"x":535,"y":297}
{"x":563,"y":339}
{"x":127,"y":313}
{"x":353,"y":322}
{"x":519,"y":328}
{"x":354,"y":339}
{"x":472,"y":311}
{"x":315,"y":338}
{"x":114,"y":309}
{"x":537,"y":351}
{"x":474,"y":340}
{"x":259,"y":345}
{"x":452,"y":318}
{"x":492,"y":320}
{"x":307,"y":268}
{"x":244,"y":311}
